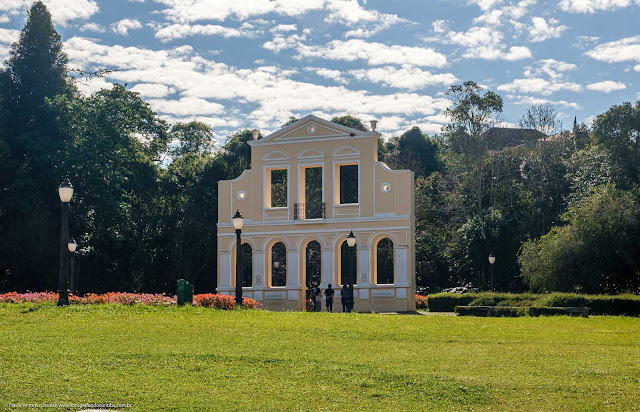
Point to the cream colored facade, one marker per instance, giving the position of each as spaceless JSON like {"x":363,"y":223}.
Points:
{"x":385,"y":209}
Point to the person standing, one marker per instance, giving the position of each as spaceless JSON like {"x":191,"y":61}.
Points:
{"x":318,"y":299}
{"x":328,"y":293}
{"x":344,"y":297}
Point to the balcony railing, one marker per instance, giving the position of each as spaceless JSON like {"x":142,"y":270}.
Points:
{"x":306,"y":211}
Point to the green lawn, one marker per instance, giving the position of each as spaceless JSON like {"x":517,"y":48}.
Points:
{"x":199,"y":359}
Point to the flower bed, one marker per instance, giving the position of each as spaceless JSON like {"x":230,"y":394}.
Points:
{"x":421,"y":302}
{"x":207,"y":300}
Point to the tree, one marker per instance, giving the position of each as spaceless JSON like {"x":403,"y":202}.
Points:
{"x":472,"y":112}
{"x":598,"y":251}
{"x":618,"y":130}
{"x":413,"y":150}
{"x":192,"y":137}
{"x":543,"y":118}
{"x":291,"y":120}
{"x":350,"y":121}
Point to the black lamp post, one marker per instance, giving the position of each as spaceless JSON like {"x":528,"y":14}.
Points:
{"x":238,"y":221}
{"x":65,"y":191}
{"x":492,"y":260}
{"x":351,"y":242}
{"x":72,"y":245}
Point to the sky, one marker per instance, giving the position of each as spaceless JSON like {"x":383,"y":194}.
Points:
{"x":237,"y":64}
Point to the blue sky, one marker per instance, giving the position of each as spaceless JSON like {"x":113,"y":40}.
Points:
{"x":254,"y":63}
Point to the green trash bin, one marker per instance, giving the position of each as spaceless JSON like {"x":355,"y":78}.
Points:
{"x":185,"y":292}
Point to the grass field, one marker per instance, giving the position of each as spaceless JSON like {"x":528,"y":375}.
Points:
{"x":198,"y":359}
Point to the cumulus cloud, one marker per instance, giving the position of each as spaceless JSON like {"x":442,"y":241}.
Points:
{"x":485,"y":4}
{"x":123,"y":26}
{"x":553,"y":68}
{"x":207,"y":88}
{"x":486,"y":43}
{"x":351,"y":13}
{"x":536,"y":85}
{"x":410,"y":78}
{"x":62,"y":11}
{"x":92,"y":27}
{"x":541,"y":29}
{"x":180,"y":31}
{"x":529,"y":100}
{"x":627,"y":49}
{"x":152,"y":90}
{"x":606,"y":86}
{"x":335,"y":75}
{"x":88,"y":87}
{"x":9,"y":36}
{"x":374,"y":53}
{"x":593,"y":6}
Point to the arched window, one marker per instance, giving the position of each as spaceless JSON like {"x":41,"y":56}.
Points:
{"x":384,"y":262}
{"x":348,"y":264}
{"x":313,"y":262}
{"x":247,"y":265}
{"x":278,"y":264}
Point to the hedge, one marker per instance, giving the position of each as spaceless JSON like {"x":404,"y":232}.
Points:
{"x":615,"y":305}
{"x":491,"y":311}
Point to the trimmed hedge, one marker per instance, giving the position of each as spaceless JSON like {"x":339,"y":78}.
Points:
{"x":551,"y":311}
{"x":491,"y":311}
{"x":615,"y":305}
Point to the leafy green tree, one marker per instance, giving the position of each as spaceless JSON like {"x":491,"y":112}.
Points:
{"x":413,"y":150}
{"x":598,"y":251}
{"x":291,"y":120}
{"x":116,"y":142}
{"x":472,"y":112}
{"x":350,"y":121}
{"x":618,"y":130}
{"x":193,"y":137}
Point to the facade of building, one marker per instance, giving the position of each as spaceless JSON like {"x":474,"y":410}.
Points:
{"x":311,"y":184}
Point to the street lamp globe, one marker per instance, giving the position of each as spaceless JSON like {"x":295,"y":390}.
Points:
{"x":492,"y":259}
{"x":276,"y":265}
{"x":238,"y":221}
{"x":72,"y":245}
{"x":65,"y":191}
{"x":351,"y":240}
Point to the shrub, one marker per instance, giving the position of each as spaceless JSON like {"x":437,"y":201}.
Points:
{"x":446,"y":302}
{"x":492,"y":311}
{"x":551,"y":311}
{"x":224,"y":302}
{"x":421,"y":302}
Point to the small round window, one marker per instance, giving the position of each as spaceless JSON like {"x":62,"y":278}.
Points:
{"x":242,"y":195}
{"x":311,"y":129}
{"x":385,"y":187}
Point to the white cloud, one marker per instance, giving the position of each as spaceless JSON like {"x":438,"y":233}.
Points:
{"x":90,"y":86}
{"x":335,"y":75}
{"x":203,"y":85}
{"x":280,"y":42}
{"x":490,"y":18}
{"x":627,"y":49}
{"x":606,"y":86}
{"x":529,"y":100}
{"x":351,"y":13}
{"x":485,"y":4}
{"x":152,"y":90}
{"x":4,"y":19}
{"x":195,"y":10}
{"x":410,"y":78}
{"x":93,"y":27}
{"x":124,"y":25}
{"x":592,"y":6}
{"x":284,"y":28}
{"x":186,"y":106}
{"x":486,"y":43}
{"x":180,"y":31}
{"x":541,"y":30}
{"x":9,"y":36}
{"x":553,"y":68}
{"x":538,"y":85}
{"x":440,"y":26}
{"x":374,"y":53}
{"x":636,"y":68}
{"x":62,"y":11}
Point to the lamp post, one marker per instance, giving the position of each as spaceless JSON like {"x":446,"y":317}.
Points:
{"x":351,"y":242}
{"x":238,"y":221}
{"x":492,"y":260}
{"x":72,"y":245}
{"x":65,"y":191}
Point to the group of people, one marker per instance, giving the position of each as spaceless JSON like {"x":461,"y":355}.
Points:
{"x":346,"y":296}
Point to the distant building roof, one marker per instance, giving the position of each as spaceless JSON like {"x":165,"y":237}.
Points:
{"x":500,"y":138}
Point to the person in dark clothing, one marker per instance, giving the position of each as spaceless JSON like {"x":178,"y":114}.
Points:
{"x":328,"y":293}
{"x":344,"y":297}
{"x":318,"y":299}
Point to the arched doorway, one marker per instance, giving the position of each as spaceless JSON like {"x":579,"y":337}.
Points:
{"x":312,"y":264}
{"x":348,"y":264}
{"x":247,"y":265}
{"x":385,"y":273}
{"x":278,"y":264}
